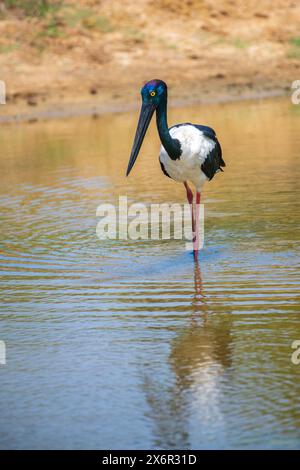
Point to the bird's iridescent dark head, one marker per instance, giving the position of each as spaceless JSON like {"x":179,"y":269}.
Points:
{"x":153,"y":93}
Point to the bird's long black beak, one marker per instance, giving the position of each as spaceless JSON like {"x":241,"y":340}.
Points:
{"x":146,"y":114}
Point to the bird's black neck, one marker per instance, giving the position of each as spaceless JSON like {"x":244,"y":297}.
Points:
{"x":171,"y":145}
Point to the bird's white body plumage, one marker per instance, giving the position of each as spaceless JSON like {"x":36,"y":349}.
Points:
{"x":195,"y":148}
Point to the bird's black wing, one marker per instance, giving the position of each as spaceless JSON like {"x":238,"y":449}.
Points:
{"x":214,"y":161}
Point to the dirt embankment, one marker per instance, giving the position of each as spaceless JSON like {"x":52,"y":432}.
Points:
{"x":65,"y":56}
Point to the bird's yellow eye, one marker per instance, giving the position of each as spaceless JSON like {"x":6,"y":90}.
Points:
{"x":152,"y":93}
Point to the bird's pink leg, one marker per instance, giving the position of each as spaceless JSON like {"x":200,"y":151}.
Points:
{"x":190,"y":197}
{"x":197,"y":214}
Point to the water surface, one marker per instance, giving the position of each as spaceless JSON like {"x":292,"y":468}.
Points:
{"x":125,"y":344}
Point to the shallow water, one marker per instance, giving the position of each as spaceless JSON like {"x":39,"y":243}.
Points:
{"x":124,"y":344}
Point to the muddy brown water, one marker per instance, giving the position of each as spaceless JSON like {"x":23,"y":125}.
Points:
{"x":124,"y":343}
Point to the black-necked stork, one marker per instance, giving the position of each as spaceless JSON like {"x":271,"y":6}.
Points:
{"x":189,"y":152}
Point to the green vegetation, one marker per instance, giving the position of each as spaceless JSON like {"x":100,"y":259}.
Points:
{"x":87,"y":18}
{"x":295,"y":41}
{"x":293,"y":53}
{"x":8,"y":48}
{"x":73,"y":16}
{"x":240,"y":44}
{"x":52,"y":29}
{"x":294,"y":50}
{"x":33,"y":7}
{"x":100,"y":23}
{"x":135,"y":34}
{"x":55,"y":16}
{"x":168,"y":44}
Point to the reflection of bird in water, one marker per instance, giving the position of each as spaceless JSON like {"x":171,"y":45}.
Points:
{"x":200,"y":355}
{"x":208,"y":333}
{"x":199,"y":301}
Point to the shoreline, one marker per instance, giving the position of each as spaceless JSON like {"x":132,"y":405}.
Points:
{"x":89,"y":58}
{"x":70,"y":110}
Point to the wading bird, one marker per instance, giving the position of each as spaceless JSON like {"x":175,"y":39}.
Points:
{"x":189,"y":152}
